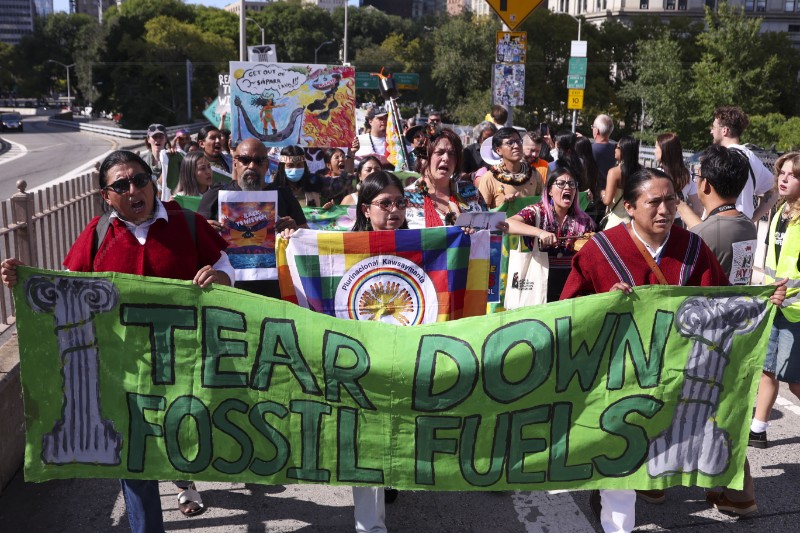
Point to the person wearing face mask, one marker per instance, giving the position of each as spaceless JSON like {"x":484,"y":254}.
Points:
{"x":293,"y":173}
{"x":251,"y":161}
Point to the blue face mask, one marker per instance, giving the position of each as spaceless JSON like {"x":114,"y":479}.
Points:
{"x":294,"y":174}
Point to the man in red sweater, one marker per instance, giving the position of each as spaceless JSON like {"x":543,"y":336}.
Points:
{"x":144,"y":236}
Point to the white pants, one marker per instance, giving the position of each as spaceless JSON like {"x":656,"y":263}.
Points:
{"x":618,"y":511}
{"x":370,"y":509}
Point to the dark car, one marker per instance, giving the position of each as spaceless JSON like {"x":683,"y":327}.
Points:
{"x":11,"y":121}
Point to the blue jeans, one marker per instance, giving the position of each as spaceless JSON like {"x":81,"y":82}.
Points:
{"x":143,"y":505}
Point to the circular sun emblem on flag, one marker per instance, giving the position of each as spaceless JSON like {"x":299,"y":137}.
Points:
{"x":388,"y":289}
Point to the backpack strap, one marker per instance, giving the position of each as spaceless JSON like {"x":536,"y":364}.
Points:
{"x":101,"y":229}
{"x":99,"y":234}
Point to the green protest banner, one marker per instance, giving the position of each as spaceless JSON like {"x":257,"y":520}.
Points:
{"x":136,"y":377}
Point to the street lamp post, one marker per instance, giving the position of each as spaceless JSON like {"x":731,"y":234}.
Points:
{"x":575,"y":111}
{"x":69,"y":92}
{"x":259,"y":27}
{"x":317,"y":50}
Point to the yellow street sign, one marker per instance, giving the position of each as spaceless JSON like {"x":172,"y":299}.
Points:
{"x":575,"y":99}
{"x":513,"y":12}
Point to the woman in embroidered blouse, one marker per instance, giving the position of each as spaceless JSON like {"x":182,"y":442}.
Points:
{"x":511,"y":176}
{"x":552,"y":221}
{"x":442,"y":193}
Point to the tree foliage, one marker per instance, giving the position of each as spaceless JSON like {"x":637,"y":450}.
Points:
{"x":135,"y":63}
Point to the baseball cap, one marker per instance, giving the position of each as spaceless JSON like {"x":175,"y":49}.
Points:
{"x":154,"y":129}
{"x":181,"y":131}
{"x":376,"y":111}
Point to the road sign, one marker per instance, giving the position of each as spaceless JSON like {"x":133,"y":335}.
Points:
{"x":575,"y":99}
{"x":575,"y":81}
{"x":365,"y":81}
{"x":407,"y":81}
{"x":577,"y":66}
{"x":513,"y":12}
{"x":262,"y":53}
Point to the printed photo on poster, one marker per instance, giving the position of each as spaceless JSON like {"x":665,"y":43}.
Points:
{"x":248,"y":219}
{"x":508,"y":84}
{"x":511,"y":46}
{"x":282,"y":104}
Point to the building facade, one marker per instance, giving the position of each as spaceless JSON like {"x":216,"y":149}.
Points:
{"x":328,"y":5}
{"x":480,"y":7}
{"x":456,"y":7}
{"x":16,"y":20}
{"x":777,"y":15}
{"x":43,"y":7}
{"x":249,"y":6}
{"x":414,"y":9}
{"x":93,"y":8}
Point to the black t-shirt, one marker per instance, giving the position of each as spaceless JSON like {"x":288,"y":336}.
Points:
{"x":780,"y":235}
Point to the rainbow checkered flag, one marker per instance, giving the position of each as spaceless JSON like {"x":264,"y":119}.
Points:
{"x":403,"y":277}
{"x":393,"y":139}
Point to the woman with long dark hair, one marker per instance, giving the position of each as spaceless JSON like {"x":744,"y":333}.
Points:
{"x":627,"y":155}
{"x":553,"y":220}
{"x":669,"y":158}
{"x":367,"y":166}
{"x":336,"y":178}
{"x":293,"y":172}
{"x":442,"y":193}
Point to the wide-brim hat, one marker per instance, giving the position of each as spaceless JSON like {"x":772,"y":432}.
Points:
{"x":412,"y":132}
{"x":488,"y":154}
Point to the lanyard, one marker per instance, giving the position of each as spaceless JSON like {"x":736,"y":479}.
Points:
{"x":722,"y":209}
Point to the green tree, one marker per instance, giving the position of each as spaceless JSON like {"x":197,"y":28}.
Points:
{"x":661,"y":84}
{"x":729,"y":71}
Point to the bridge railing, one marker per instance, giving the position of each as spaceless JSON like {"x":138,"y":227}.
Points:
{"x":114,"y":131}
{"x":39,"y":228}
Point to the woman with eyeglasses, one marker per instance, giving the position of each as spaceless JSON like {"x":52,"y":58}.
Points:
{"x":627,"y":155}
{"x":442,"y":193}
{"x":556,"y":221}
{"x":509,"y":176}
{"x":381,"y":207}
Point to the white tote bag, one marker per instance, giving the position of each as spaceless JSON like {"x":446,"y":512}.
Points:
{"x":526,"y":283}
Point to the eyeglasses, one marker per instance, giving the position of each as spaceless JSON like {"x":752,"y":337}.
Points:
{"x":696,"y":176}
{"x":563,"y":184}
{"x":386,"y":205}
{"x":246,"y":160}
{"x":123,"y":185}
{"x":512,"y":142}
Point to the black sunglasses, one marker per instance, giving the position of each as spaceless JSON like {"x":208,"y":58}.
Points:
{"x":246,"y":160}
{"x":387,"y":204}
{"x":121,"y":186}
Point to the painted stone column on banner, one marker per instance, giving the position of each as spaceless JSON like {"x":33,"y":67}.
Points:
{"x":694,"y":442}
{"x":82,"y":435}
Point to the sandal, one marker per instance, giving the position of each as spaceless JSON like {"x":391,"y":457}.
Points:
{"x":190,"y":503}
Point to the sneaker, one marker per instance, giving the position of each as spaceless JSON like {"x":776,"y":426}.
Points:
{"x":652,"y":496}
{"x":758,"y":440}
{"x":722,"y":503}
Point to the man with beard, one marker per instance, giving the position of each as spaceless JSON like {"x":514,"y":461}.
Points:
{"x":250,"y":165}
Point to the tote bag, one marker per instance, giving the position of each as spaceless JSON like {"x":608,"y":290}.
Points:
{"x":526,"y":283}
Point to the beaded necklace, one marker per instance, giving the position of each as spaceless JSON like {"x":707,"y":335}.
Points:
{"x":511,"y":178}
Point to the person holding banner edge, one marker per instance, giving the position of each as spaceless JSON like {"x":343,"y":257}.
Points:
{"x":146,"y":237}
{"x":648,"y":250}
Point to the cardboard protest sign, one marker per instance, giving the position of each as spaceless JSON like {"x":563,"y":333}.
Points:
{"x":282,"y":104}
{"x":132,"y":377}
{"x":248,"y":225}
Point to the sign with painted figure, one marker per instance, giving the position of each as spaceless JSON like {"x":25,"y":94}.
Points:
{"x":511,"y":46}
{"x":513,"y":12}
{"x":508,"y":84}
{"x":282,"y":104}
{"x":132,"y":377}
{"x":248,"y":225}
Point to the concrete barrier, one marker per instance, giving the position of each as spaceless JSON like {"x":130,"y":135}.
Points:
{"x":12,"y":421}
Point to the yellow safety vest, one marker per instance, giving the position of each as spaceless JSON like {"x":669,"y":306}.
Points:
{"x":786,"y":267}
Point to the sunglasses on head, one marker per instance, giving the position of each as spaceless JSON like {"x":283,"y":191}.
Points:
{"x":387,"y":204}
{"x":246,"y":160}
{"x":123,"y":185}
